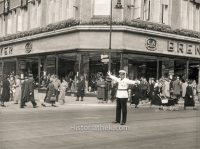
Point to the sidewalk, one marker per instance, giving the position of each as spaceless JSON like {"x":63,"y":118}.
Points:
{"x":70,"y":102}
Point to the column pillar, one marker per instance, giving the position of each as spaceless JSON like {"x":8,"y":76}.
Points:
{"x":17,"y":66}
{"x":39,"y":71}
{"x":199,"y":74}
{"x":187,"y":69}
{"x":157,"y":70}
{"x":57,"y":64}
{"x":121,"y":60}
{"x":85,"y":69}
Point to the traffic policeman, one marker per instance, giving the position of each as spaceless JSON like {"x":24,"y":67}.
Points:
{"x":122,"y":96}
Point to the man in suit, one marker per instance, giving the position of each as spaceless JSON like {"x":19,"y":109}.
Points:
{"x":28,"y":91}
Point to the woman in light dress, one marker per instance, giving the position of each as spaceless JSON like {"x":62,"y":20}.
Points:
{"x":63,"y":88}
{"x":17,"y":87}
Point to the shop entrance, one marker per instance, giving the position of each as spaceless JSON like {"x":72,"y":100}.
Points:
{"x":66,"y":65}
{"x":29,"y":66}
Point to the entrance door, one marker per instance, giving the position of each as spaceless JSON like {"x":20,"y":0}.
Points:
{"x":29,"y":66}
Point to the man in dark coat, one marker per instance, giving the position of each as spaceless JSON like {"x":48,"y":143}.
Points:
{"x":5,"y":96}
{"x":24,"y":93}
{"x":28,"y":92}
{"x":80,"y":88}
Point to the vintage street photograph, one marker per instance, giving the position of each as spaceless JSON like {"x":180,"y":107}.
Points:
{"x":99,"y":74}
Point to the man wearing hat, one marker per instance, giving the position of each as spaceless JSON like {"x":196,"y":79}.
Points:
{"x":122,"y":96}
{"x":28,"y":91}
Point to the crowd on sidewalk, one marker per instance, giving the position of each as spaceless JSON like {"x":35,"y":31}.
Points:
{"x":162,"y":92}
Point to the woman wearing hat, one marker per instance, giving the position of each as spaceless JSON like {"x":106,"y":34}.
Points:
{"x":17,"y":86}
{"x":50,"y":97}
{"x":5,"y":96}
{"x":101,"y":89}
{"x":189,"y":97}
{"x":122,"y":96}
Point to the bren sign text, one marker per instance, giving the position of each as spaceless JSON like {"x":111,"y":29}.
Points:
{"x":183,"y":48}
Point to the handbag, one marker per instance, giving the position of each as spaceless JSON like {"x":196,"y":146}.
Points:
{"x":53,"y":98}
{"x":164,"y":101}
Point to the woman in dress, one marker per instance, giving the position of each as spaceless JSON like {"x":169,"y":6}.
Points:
{"x":5,"y":96}
{"x":63,"y":88}
{"x":156,"y":99}
{"x":17,"y":86}
{"x":135,"y":94}
{"x":101,"y":91}
{"x":189,"y":96}
{"x":50,"y":96}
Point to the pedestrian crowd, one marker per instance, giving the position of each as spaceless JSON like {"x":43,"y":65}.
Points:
{"x":162,"y":92}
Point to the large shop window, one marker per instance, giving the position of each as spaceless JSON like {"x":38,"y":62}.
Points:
{"x":9,"y":67}
{"x":67,"y":65}
{"x":102,"y":7}
{"x":142,"y":66}
{"x":193,"y":70}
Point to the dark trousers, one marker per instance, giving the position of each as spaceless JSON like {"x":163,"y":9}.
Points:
{"x":57,"y":94}
{"x":22,"y":104}
{"x":121,"y":106}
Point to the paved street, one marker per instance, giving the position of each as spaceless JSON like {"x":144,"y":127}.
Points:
{"x":87,"y":125}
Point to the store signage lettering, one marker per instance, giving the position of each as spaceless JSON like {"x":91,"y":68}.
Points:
{"x":183,"y":48}
{"x":6,"y":51}
{"x":151,"y":44}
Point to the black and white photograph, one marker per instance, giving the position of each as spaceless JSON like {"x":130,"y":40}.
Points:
{"x":99,"y":74}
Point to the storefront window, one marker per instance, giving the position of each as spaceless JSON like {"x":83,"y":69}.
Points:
{"x":67,"y":65}
{"x":180,"y":68}
{"x":9,"y":67}
{"x":193,"y":70}
{"x":142,"y":66}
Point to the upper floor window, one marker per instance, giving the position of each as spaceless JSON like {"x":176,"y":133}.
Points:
{"x":137,"y":9}
{"x":189,"y":15}
{"x":102,"y":7}
{"x":147,"y":8}
{"x":165,"y":12}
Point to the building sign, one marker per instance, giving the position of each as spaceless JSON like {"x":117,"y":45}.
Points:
{"x":183,"y":48}
{"x":105,"y":58}
{"x":28,"y":47}
{"x":5,"y":51}
{"x":151,"y":44}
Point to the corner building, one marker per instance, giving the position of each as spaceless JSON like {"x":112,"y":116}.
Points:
{"x":149,"y":38}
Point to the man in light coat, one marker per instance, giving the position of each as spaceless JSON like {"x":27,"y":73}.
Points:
{"x":122,"y":96}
